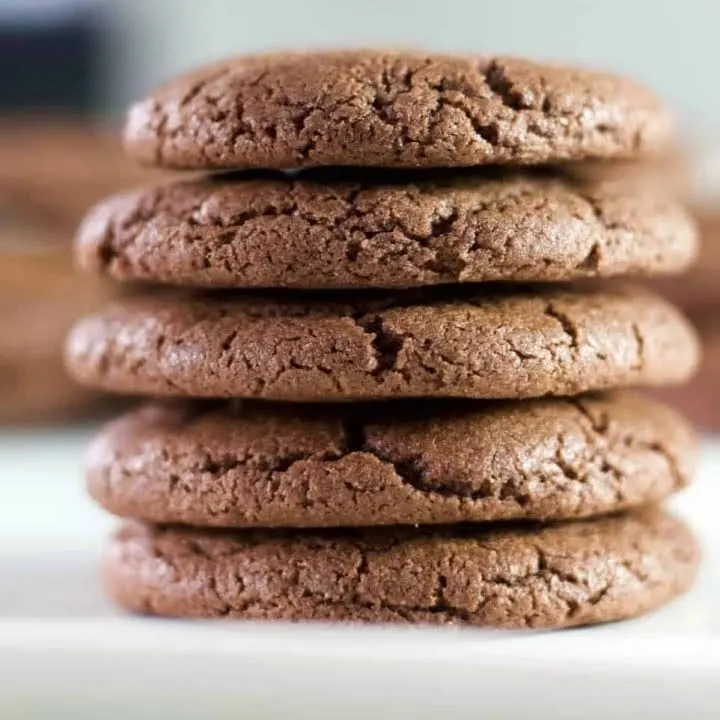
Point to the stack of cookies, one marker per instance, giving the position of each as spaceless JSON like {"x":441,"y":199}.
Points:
{"x":375,"y":398}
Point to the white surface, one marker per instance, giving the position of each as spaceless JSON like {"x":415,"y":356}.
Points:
{"x":64,"y":652}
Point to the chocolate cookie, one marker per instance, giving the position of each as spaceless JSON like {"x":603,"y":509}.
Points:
{"x":317,"y":466}
{"x":493,"y":345}
{"x":532,"y":577}
{"x":345,"y":230}
{"x":392,"y":109}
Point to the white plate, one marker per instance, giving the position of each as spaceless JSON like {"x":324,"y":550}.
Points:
{"x":64,"y":652}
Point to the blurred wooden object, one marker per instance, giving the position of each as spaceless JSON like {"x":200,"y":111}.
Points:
{"x":700,"y":286}
{"x":671,"y":174}
{"x":54,"y":169}
{"x":40,"y":297}
{"x":51,"y":172}
{"x":699,"y":400}
{"x":698,"y":293}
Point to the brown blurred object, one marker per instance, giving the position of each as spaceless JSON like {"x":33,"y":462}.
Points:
{"x":698,"y":293}
{"x":669,"y":174}
{"x":39,"y":299}
{"x":699,"y":400}
{"x":700,"y":286}
{"x":51,"y":172}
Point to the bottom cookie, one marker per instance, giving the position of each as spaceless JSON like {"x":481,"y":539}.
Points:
{"x":531,"y":577}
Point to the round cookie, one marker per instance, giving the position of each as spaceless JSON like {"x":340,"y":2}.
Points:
{"x":514,"y":344}
{"x":261,"y":465}
{"x":355,"y":230}
{"x":392,"y":109}
{"x":531,"y":577}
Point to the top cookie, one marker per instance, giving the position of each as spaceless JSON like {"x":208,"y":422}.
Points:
{"x":392,"y":109}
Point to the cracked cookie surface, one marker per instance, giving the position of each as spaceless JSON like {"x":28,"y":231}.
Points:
{"x":358,"y":229}
{"x":495,"y":344}
{"x":531,"y":577}
{"x":260,"y":465}
{"x":392,"y":109}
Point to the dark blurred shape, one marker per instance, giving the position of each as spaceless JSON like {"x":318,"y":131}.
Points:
{"x":51,"y":58}
{"x":58,"y":76}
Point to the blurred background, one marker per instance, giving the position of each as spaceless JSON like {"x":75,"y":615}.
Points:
{"x":70,"y":67}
